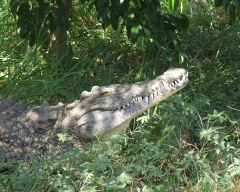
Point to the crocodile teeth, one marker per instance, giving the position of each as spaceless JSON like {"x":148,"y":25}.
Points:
{"x":181,"y":78}
{"x":184,"y":77}
{"x":164,"y":83}
{"x":156,"y":91}
{"x":146,"y":99}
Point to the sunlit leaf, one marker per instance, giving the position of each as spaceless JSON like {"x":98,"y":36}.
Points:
{"x":128,"y":19}
{"x":135,"y":7}
{"x":135,"y":31}
{"x":173,"y":4}
{"x":141,"y":43}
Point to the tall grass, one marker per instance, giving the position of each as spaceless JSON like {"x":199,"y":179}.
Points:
{"x":190,"y":142}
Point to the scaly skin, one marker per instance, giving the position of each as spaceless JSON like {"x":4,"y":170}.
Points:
{"x":27,"y":132}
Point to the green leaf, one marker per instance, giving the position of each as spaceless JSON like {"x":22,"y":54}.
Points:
{"x":114,"y":20}
{"x":182,"y":5}
{"x":141,"y":42}
{"x":22,"y":28}
{"x":128,"y":19}
{"x":170,"y":4}
{"x":225,"y":4}
{"x":232,"y":9}
{"x":52,"y":25}
{"x":135,"y":31}
{"x":184,"y":21}
{"x":173,"y":4}
{"x":129,"y":31}
{"x":123,"y":8}
{"x":155,"y":5}
{"x":100,"y":3}
{"x":176,"y":22}
{"x":124,"y":178}
{"x":237,"y":2}
{"x":24,"y":10}
{"x":61,"y":18}
{"x":105,"y":22}
{"x":114,"y":9}
{"x":218,"y":3}
{"x":135,"y":7}
{"x":175,"y":43}
{"x":103,"y":11}
{"x":142,"y":18}
{"x":176,"y":4}
{"x":182,"y":54}
{"x":64,"y":137}
{"x":32,"y":39}
{"x":46,"y":9}
{"x":168,"y":25}
{"x":147,"y":32}
{"x":236,"y":161}
{"x":14,"y":5}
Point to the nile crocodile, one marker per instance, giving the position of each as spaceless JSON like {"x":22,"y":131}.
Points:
{"x":32,"y":131}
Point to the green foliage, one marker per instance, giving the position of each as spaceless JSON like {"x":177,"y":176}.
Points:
{"x":190,"y":142}
{"x":232,"y":6}
{"x":146,"y":22}
{"x":161,"y":155}
{"x":64,"y":137}
{"x":33,"y":21}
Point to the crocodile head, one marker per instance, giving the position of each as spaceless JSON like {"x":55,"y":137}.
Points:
{"x":109,"y":109}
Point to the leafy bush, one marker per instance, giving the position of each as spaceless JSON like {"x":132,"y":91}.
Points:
{"x":232,"y":6}
{"x":163,"y":154}
{"x":146,"y":21}
{"x":190,"y":142}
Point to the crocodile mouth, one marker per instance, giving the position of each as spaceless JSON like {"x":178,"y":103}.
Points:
{"x":165,"y":89}
{"x":112,"y":107}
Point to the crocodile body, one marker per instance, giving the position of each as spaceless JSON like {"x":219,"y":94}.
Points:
{"x":32,"y":131}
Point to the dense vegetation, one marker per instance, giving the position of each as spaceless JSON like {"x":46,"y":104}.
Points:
{"x":190,"y":142}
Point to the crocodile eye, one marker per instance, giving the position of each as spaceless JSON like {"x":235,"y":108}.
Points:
{"x":104,"y":94}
